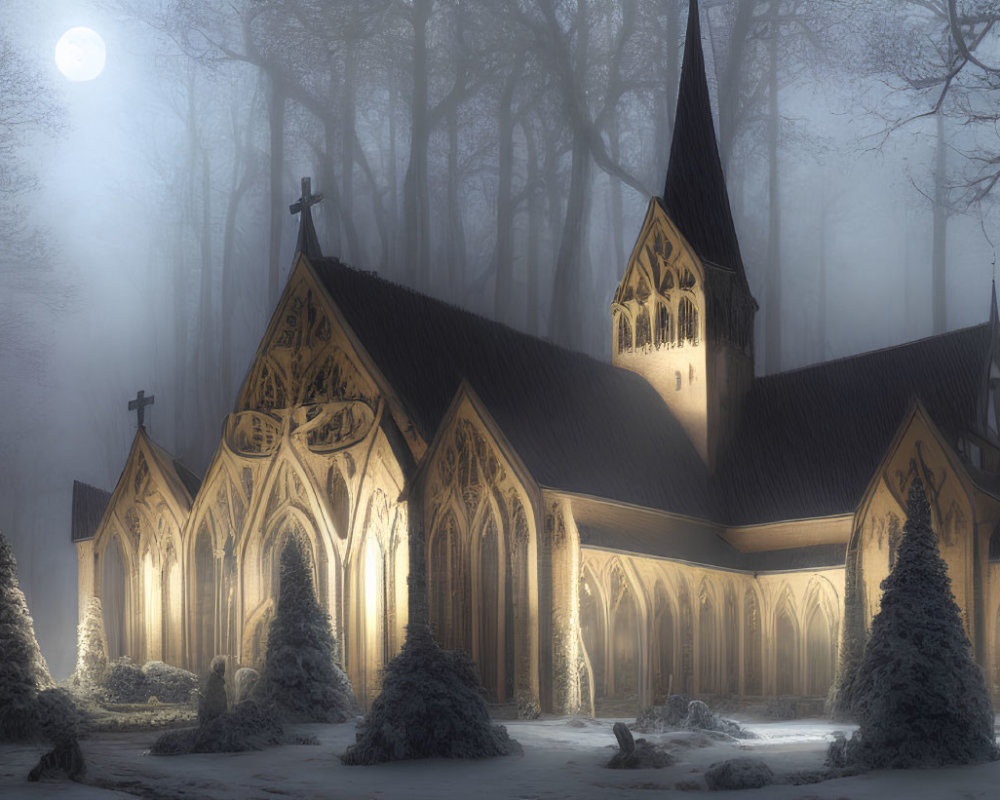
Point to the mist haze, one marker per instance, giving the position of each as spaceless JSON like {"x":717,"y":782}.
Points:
{"x":499,"y":156}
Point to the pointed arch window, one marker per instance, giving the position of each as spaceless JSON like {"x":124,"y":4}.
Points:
{"x":624,"y":334}
{"x":687,"y":322}
{"x":664,"y":332}
{"x":643,"y":334}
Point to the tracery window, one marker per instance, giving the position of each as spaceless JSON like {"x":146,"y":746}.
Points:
{"x":643,"y":335}
{"x":624,"y":334}
{"x":687,"y":322}
{"x":664,"y":334}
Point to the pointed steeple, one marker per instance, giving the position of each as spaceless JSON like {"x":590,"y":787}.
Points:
{"x":994,"y":317}
{"x":308,"y":242}
{"x":695,"y":195}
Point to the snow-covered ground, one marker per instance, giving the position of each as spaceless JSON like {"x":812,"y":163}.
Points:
{"x":562,"y":759}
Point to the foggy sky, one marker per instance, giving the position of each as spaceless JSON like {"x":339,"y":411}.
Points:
{"x":101,"y":202}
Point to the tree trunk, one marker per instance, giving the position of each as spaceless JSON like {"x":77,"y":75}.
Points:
{"x":276,"y":131}
{"x":939,"y":247}
{"x":533,"y":256}
{"x":502,"y":297}
{"x":564,"y":323}
{"x":772,"y":310}
{"x":455,"y":240}
{"x":415,"y":193}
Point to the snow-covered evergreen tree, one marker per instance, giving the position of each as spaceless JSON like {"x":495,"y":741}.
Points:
{"x":431,"y":706}
{"x":23,"y":671}
{"x":300,"y":677}
{"x":91,"y":651}
{"x":919,"y":696}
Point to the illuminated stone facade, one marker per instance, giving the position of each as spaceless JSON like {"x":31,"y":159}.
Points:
{"x":597,"y":536}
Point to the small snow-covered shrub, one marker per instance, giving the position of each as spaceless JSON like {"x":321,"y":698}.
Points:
{"x":247,"y":727}
{"x":91,"y":652}
{"x":244,"y":682}
{"x":59,"y":722}
{"x":431,"y":706}
{"x":300,"y":678}
{"x":701,"y":718}
{"x":125,"y":682}
{"x":739,"y":773}
{"x":213,"y":701}
{"x":169,"y":684}
{"x":669,"y":716}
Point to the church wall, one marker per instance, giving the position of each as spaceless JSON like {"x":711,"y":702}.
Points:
{"x":919,"y":451}
{"x":126,"y":558}
{"x":483,"y":557}
{"x":651,"y":627}
{"x":302,"y":455}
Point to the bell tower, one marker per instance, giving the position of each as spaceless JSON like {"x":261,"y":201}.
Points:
{"x":683,"y":314}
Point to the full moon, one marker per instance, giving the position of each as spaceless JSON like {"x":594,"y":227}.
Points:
{"x":80,"y":54}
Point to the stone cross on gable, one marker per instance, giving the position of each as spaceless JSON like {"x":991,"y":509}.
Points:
{"x":139,"y":405}
{"x":308,"y":199}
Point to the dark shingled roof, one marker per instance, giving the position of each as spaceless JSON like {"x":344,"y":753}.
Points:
{"x":89,"y":504}
{"x":694,"y":195}
{"x":811,"y":439}
{"x":578,"y":424}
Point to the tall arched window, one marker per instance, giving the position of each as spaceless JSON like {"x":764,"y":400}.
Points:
{"x":206,"y":609}
{"x":663,"y":647}
{"x":624,"y":334}
{"x":623,"y":630}
{"x":752,"y":675}
{"x":664,"y":334}
{"x":488,"y":644}
{"x":643,"y":334}
{"x":819,"y":654}
{"x":786,"y":646}
{"x":115,"y":599}
{"x":449,"y":591}
{"x":708,"y":651}
{"x":687,"y":321}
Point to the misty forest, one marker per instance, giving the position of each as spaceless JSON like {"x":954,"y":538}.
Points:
{"x":498,"y":156}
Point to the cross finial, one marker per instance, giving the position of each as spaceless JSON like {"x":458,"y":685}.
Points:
{"x":308,"y":243}
{"x":139,"y":405}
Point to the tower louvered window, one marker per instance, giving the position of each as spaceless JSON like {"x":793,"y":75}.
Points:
{"x":664,"y":334}
{"x":687,"y":322}
{"x":624,"y":334}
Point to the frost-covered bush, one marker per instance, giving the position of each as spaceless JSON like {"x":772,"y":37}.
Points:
{"x":167,"y":683}
{"x":213,"y":701}
{"x":91,"y":652}
{"x":919,"y":697}
{"x":125,"y":682}
{"x":247,"y":727}
{"x":59,"y":723}
{"x":739,"y":773}
{"x":244,"y":683}
{"x":431,"y":706}
{"x":300,"y":678}
{"x":656,"y":719}
{"x":23,"y":671}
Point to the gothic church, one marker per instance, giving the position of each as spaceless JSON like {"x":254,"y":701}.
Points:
{"x":596,"y":535}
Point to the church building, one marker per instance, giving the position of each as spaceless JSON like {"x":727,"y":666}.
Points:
{"x":596,"y":535}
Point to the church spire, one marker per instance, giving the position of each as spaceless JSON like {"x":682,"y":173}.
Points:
{"x":695,"y":195}
{"x":308,"y":242}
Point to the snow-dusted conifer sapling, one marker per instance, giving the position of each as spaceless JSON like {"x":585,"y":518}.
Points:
{"x":300,"y":677}
{"x":919,"y":696}
{"x":23,"y":671}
